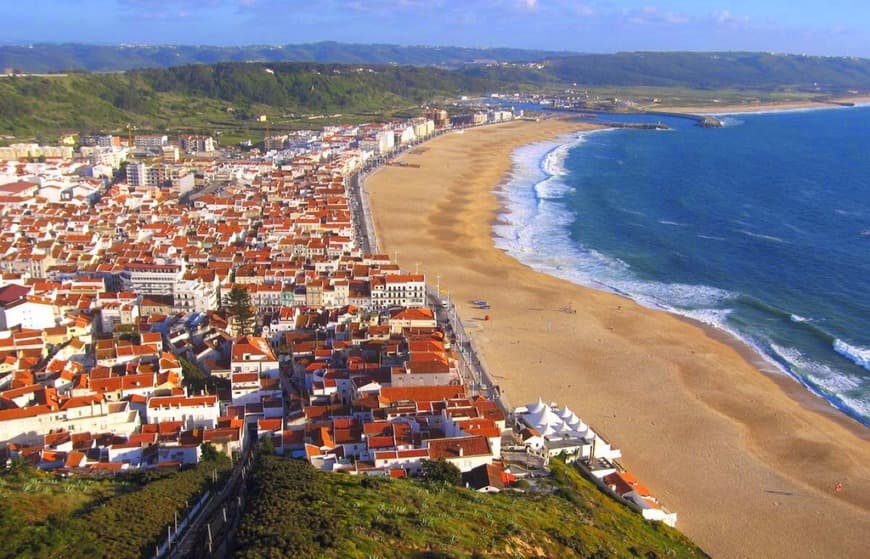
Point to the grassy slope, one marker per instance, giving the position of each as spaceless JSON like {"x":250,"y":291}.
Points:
{"x":715,"y":70}
{"x":44,"y":516}
{"x":224,"y":98}
{"x":297,"y":511}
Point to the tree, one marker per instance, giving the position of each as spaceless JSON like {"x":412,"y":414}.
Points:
{"x":241,"y":314}
{"x":267,"y":446}
{"x":441,"y":471}
{"x":194,"y":377}
{"x":208,"y":452}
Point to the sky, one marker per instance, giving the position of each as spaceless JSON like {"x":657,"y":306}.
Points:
{"x":832,"y":27}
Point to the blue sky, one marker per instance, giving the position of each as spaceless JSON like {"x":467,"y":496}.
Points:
{"x":833,"y":27}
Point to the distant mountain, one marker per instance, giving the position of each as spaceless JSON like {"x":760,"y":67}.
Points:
{"x":68,"y":57}
{"x":712,"y":70}
{"x":227,"y":95}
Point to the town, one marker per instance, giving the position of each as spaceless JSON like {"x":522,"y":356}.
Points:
{"x":160,"y":296}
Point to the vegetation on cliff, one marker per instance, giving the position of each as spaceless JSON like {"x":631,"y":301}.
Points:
{"x":296,"y":511}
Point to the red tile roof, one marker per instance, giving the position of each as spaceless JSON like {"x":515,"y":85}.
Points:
{"x":454,"y":447}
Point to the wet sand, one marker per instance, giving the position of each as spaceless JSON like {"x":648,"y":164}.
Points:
{"x":747,"y":460}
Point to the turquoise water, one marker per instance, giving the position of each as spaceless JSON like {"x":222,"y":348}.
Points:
{"x":761,"y":228}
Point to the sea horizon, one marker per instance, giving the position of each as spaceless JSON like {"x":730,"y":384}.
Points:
{"x":587,"y":208}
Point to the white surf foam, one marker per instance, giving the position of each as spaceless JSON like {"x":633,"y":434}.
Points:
{"x":859,"y":355}
{"x":762,"y":236}
{"x":823,"y":380}
{"x":534,"y":229}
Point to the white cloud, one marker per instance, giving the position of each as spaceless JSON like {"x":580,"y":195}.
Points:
{"x":648,"y":15}
{"x":725,"y":17}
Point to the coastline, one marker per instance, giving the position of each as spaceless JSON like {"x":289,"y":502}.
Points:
{"x":790,"y":386}
{"x":529,"y":185}
{"x":838,"y":102}
{"x":694,"y":418}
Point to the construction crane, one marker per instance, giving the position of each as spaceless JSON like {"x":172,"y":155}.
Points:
{"x":130,"y":129}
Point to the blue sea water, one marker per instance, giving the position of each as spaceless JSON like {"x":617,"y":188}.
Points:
{"x":761,"y":228}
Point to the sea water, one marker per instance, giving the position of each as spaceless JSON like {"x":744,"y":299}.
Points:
{"x":760,"y":228}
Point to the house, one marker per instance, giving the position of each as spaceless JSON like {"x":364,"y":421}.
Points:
{"x":192,"y":411}
{"x":415,"y":318}
{"x":629,"y":488}
{"x":252,"y":354}
{"x":466,"y":453}
{"x":487,"y":478}
{"x":12,"y":297}
{"x":85,"y":413}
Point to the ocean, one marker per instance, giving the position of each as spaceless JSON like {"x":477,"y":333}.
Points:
{"x":760,"y":228}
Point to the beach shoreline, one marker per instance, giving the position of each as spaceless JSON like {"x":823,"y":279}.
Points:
{"x":731,"y":450}
{"x":746,"y":108}
{"x":505,"y":231}
{"x":790,"y":386}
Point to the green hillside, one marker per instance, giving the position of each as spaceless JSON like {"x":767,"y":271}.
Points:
{"x":713,"y":70}
{"x":224,"y":99}
{"x":296,"y":511}
{"x":221,"y":98}
{"x":91,"y":518}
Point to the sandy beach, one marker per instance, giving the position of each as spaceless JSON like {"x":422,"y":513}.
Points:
{"x":765,"y":107}
{"x":748,"y":461}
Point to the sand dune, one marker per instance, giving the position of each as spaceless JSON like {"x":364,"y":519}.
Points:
{"x":748,"y":461}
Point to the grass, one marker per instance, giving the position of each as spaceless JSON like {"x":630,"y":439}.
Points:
{"x":35,"y":496}
{"x":40,"y":108}
{"x":123,"y":516}
{"x":374,"y":517}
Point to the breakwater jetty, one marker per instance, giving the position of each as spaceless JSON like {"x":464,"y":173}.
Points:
{"x":637,"y":125}
{"x":705,"y":121}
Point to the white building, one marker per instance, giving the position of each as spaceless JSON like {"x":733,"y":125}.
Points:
{"x":253,"y":354}
{"x":31,"y":312}
{"x":402,"y":290}
{"x":150,"y":279}
{"x":466,"y":453}
{"x":150,"y":142}
{"x":196,"y":293}
{"x":91,"y":414}
{"x":195,"y":143}
{"x":563,"y":432}
{"x":629,"y":488}
{"x":194,"y":411}
{"x":144,"y":175}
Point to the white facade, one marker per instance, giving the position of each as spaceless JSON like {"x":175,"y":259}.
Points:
{"x":194,"y":411}
{"x":143,"y":175}
{"x":195,"y":295}
{"x":28,"y":314}
{"x":150,"y":279}
{"x":100,"y":417}
{"x":404,"y":290}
